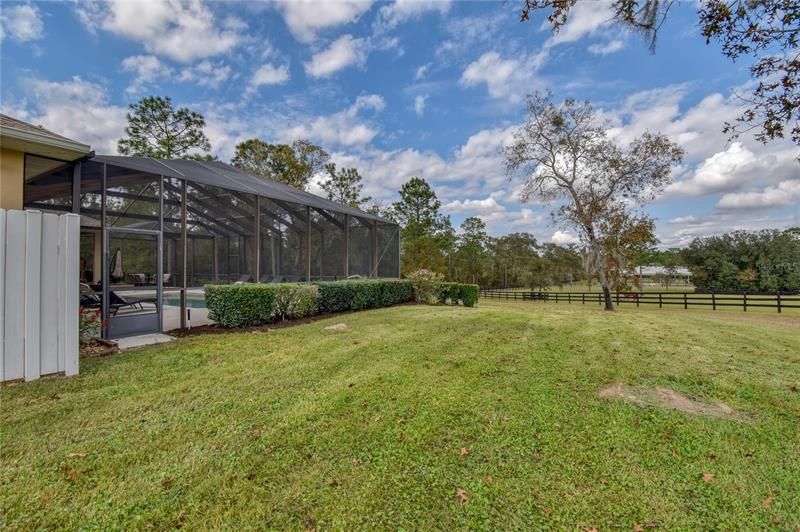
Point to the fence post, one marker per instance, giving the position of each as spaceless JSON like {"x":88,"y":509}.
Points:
{"x":617,"y":297}
{"x":713,"y":301}
{"x":637,"y":299}
{"x":569,"y":297}
{"x":33,"y":294}
{"x":583,"y":298}
{"x":778,"y":293}
{"x":659,"y":300}
{"x":685,"y":303}
{"x":744,"y":304}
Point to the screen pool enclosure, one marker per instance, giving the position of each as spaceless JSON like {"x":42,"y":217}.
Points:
{"x":154,"y":232}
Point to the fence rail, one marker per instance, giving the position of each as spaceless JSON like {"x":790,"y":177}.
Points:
{"x":773,"y":300}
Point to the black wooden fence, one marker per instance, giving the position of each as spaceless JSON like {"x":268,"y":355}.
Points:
{"x":744,"y":300}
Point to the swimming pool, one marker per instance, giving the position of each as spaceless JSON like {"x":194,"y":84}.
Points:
{"x":192,"y":300}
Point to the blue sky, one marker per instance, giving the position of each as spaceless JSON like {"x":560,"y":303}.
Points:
{"x":397,"y":89}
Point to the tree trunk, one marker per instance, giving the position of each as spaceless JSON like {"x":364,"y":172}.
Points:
{"x":606,"y":291}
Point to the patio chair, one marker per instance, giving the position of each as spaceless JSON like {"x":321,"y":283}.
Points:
{"x":88,"y":297}
{"x":117,"y":302}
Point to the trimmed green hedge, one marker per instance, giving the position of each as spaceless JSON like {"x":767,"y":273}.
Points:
{"x":293,"y":301}
{"x":241,"y":305}
{"x":453,"y":293}
{"x":340,"y":296}
{"x":244,"y":305}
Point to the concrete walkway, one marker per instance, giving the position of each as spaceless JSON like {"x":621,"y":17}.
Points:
{"x":145,"y":339}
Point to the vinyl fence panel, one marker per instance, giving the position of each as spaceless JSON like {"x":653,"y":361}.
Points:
{"x":39,"y":256}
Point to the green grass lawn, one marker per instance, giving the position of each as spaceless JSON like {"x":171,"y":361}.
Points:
{"x":384,"y":424}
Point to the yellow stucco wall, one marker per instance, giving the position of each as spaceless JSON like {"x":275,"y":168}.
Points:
{"x":11,"y":178}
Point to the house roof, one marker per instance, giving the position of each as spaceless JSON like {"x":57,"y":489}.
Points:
{"x":219,"y":174}
{"x":661,"y":270}
{"x":22,"y":136}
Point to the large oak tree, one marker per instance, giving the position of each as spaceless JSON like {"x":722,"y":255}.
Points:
{"x":562,"y":153}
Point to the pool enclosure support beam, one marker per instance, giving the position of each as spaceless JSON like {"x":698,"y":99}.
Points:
{"x":104,"y":247}
{"x":398,"y":252}
{"x":374,"y":248}
{"x":160,"y":260}
{"x":257,"y":276}
{"x":185,"y":258}
{"x":347,"y":246}
{"x":76,"y":188}
{"x":308,"y":244}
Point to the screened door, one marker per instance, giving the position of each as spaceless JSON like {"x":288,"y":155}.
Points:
{"x":134,"y":280}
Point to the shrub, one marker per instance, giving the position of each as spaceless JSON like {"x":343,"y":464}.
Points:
{"x":241,"y":305}
{"x":295,"y":301}
{"x":453,"y":293}
{"x":340,"y":296}
{"x":245,"y":305}
{"x":449,"y":293}
{"x":470,"y":294}
{"x":90,"y":324}
{"x":426,"y":285}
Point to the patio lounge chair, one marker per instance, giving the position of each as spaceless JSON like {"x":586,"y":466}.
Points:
{"x":88,"y":297}
{"x":118,"y":302}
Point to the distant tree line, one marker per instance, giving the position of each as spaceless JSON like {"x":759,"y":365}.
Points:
{"x":766,"y":260}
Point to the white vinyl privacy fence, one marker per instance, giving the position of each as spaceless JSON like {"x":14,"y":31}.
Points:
{"x":39,"y":257}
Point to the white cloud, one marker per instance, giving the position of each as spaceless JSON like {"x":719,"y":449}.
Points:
{"x":56,"y":105}
{"x":343,"y":52}
{"x":183,"y":30}
{"x":736,"y":167}
{"x":268,"y":74}
{"x":614,"y":45}
{"x":585,"y":18}
{"x":401,"y":11}
{"x":421,"y":72}
{"x":506,"y":79}
{"x":473,"y":170}
{"x":345,"y":128}
{"x":711,"y":166}
{"x":147,"y":69}
{"x":207,"y":73}
{"x":21,"y":23}
{"x":511,"y":78}
{"x":305,"y":18}
{"x":466,"y":34}
{"x":722,"y":171}
{"x":784,"y":194}
{"x":419,"y":104}
{"x":483,"y":207}
{"x":563,"y":238}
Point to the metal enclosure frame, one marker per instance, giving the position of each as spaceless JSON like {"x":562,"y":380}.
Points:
{"x":244,"y":228}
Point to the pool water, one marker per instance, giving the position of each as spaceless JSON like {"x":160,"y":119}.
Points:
{"x":192,"y":301}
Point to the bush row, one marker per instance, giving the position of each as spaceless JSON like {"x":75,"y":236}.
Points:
{"x":455,"y":293}
{"x":340,"y":296}
{"x":430,"y":288}
{"x":244,"y":305}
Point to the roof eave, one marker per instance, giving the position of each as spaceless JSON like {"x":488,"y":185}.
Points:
{"x":41,"y":144}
